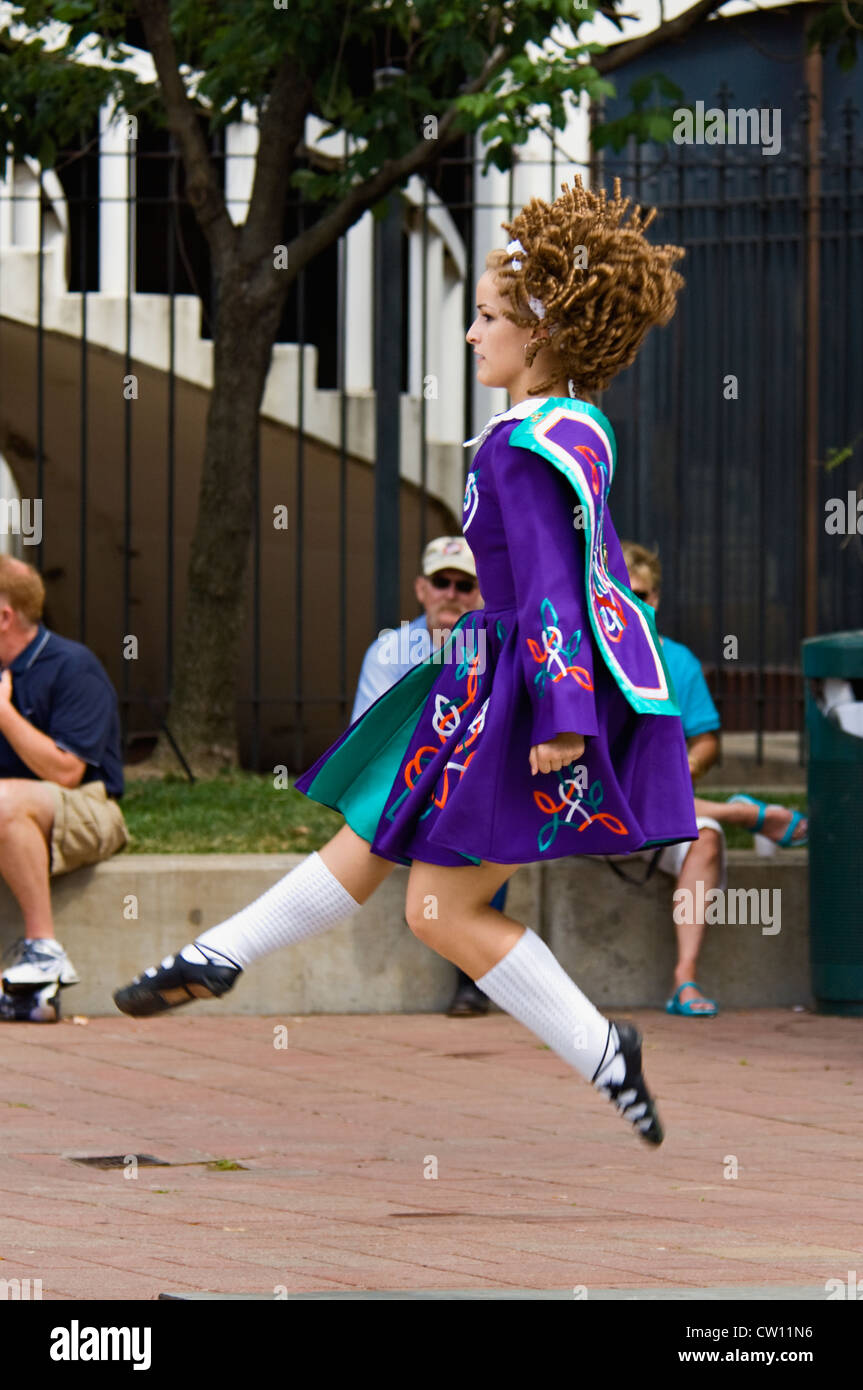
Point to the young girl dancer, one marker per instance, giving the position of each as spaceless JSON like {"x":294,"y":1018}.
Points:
{"x":568,"y":740}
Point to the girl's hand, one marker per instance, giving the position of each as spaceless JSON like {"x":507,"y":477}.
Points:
{"x":558,"y":753}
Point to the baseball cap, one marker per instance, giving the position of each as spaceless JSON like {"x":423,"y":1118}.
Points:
{"x":448,"y":552}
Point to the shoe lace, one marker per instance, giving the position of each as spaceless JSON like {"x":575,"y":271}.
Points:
{"x":629,"y":1095}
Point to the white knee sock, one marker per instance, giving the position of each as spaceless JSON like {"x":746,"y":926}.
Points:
{"x":307,"y":901}
{"x":530,"y":984}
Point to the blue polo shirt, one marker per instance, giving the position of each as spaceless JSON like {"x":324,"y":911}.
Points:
{"x":63,"y":690}
{"x":395,"y":652}
{"x":697,"y":710}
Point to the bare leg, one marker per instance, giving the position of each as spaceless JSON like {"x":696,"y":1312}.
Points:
{"x":776,"y":818}
{"x":449,"y":909}
{"x":701,"y":863}
{"x":26,"y":821}
{"x":349,"y":857}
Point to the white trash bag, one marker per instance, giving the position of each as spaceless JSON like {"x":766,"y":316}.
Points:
{"x":836,"y":700}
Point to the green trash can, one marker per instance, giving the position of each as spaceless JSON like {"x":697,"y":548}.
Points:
{"x":834,"y":724}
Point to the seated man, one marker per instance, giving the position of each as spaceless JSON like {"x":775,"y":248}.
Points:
{"x":447,"y":588}
{"x":61,"y":773}
{"x":703,"y":859}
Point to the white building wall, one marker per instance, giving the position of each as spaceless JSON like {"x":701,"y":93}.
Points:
{"x":241,"y":147}
{"x":116,"y":189}
{"x":11,"y":543}
{"x":359,"y":313}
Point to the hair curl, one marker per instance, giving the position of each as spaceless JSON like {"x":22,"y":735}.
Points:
{"x":600,"y":312}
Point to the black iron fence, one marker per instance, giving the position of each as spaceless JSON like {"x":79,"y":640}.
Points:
{"x":727,"y":424}
{"x":733,"y":419}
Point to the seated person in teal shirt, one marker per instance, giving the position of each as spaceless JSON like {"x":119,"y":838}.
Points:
{"x":705,"y":858}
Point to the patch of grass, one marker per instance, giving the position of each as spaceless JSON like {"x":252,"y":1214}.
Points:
{"x":226,"y":1165}
{"x":244,"y":813}
{"x":236,"y":813}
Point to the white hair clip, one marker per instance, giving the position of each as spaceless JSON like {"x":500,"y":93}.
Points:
{"x":536,"y":305}
{"x":511,"y":250}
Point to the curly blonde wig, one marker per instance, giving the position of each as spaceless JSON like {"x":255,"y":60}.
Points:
{"x":600,"y":312}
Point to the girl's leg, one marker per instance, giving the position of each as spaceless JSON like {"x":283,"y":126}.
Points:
{"x":322,"y":891}
{"x":439,"y":901}
{"x":449,"y":910}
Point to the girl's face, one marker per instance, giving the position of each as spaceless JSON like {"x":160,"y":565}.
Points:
{"x":498,"y":343}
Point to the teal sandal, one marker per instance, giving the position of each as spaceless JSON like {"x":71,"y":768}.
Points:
{"x":674,"y":1005}
{"x":787,"y":841}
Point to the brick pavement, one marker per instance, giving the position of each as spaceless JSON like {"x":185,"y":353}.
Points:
{"x":539,"y":1184}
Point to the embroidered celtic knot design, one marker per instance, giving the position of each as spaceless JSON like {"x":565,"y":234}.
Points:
{"x":447,"y":717}
{"x":471,"y":499}
{"x":555,"y":658}
{"x":575,"y":797}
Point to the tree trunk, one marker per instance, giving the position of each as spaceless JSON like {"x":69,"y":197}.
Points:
{"x":202,"y":717}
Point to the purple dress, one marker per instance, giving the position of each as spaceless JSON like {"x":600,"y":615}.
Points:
{"x":437,"y":769}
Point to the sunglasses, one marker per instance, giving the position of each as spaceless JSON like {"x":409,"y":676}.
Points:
{"x":640,"y":593}
{"x":464,"y":586}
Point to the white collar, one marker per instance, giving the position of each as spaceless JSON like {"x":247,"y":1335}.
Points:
{"x":515,"y":412}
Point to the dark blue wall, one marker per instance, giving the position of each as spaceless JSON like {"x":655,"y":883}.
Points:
{"x":719,"y":484}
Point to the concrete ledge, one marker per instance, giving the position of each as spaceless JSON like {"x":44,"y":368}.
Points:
{"x":616,"y":940}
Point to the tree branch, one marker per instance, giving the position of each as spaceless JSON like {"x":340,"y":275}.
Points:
{"x":281,"y":129}
{"x":327,"y":229}
{"x":846,"y":10}
{"x":620,"y":53}
{"x":202,"y":188}
{"x":305,"y":247}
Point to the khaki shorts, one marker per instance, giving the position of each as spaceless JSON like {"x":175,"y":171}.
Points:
{"x":671,"y":859}
{"x":88,"y":826}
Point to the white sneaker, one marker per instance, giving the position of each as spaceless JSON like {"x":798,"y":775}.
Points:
{"x":32,"y":1005}
{"x":34,"y":962}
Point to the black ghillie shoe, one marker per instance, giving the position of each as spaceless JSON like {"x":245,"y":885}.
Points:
{"x":630,"y":1095}
{"x":177,"y":981}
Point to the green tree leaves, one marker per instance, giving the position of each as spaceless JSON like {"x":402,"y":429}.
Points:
{"x":839,"y":26}
{"x":492,"y":66}
{"x":654,"y":99}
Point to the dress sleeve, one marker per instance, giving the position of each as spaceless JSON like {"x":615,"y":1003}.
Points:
{"x":546,"y":553}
